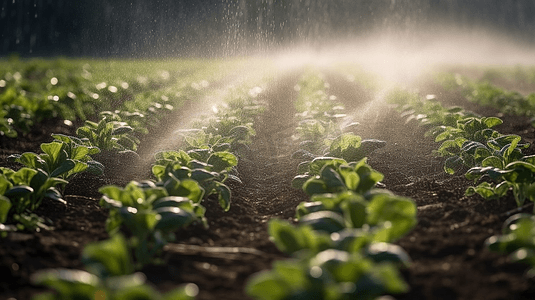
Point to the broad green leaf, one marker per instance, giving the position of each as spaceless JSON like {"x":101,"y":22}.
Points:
{"x":5,"y":184}
{"x":110,"y":257}
{"x":159,"y":171}
{"x":222,"y":161}
{"x":331,"y":178}
{"x":368,"y":177}
{"x":287,"y":237}
{"x":173,"y":201}
{"x":63,"y":168}
{"x":346,"y":146}
{"x":5,"y":205}
{"x":318,"y":163}
{"x":53,"y":150}
{"x":385,"y":252}
{"x":201,"y":175}
{"x":354,"y":212}
{"x":327,"y":221}
{"x":394,"y":213}
{"x":224,"y":195}
{"x":266,"y":285}
{"x":140,"y":222}
{"x":18,"y":191}
{"x":304,"y":208}
{"x":122,"y":130}
{"x":493,"y":161}
{"x":492,"y":121}
{"x":173,"y":218}
{"x":23,"y":176}
{"x":315,"y":186}
{"x":79,"y":152}
{"x":185,"y":188}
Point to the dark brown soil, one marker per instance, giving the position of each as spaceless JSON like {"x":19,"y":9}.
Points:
{"x":447,"y":246}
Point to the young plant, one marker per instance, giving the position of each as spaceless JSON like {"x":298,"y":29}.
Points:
{"x":331,"y":175}
{"x":330,"y":274}
{"x":518,"y":238}
{"x":207,"y":167}
{"x":109,"y":276}
{"x":109,"y":135}
{"x":151,"y":213}
{"x":64,"y":158}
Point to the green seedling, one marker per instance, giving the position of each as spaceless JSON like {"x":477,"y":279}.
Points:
{"x":109,"y":276}
{"x":518,"y":238}
{"x":151,"y":214}
{"x":109,"y":135}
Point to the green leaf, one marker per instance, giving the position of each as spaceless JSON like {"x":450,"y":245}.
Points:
{"x":287,"y":237}
{"x":224,"y":195}
{"x":492,"y":121}
{"x":315,"y":186}
{"x":346,"y":146}
{"x":5,"y":205}
{"x":222,"y":161}
{"x":384,"y":252}
{"x":266,"y":285}
{"x":79,"y":152}
{"x":122,"y":130}
{"x":19,"y":191}
{"x":331,"y":178}
{"x":54,"y":150}
{"x":327,"y":221}
{"x":62,"y":169}
{"x":23,"y":176}
{"x":110,"y":257}
{"x":173,"y":218}
{"x":318,"y":163}
{"x":29,"y":159}
{"x":394,"y":213}
{"x":354,"y":212}
{"x":493,"y":161}
{"x":185,"y":188}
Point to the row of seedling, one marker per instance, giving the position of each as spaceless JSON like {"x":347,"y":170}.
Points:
{"x":487,"y":94}
{"x":32,"y":91}
{"x":46,"y":174}
{"x":144,"y":216}
{"x":340,"y":244}
{"x":471,"y":146}
{"x":110,"y":267}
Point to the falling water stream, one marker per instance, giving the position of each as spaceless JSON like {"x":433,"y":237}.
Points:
{"x":158,"y":28}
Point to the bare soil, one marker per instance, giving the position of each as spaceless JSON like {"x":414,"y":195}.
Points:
{"x":450,"y":260}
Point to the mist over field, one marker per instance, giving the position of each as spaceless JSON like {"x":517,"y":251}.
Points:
{"x":214,"y":28}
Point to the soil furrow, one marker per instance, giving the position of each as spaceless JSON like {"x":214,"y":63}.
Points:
{"x":266,"y":171}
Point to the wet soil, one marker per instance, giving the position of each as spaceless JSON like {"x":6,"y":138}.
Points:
{"x":450,"y":260}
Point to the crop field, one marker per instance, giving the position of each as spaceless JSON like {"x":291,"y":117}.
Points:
{"x":247,"y":179}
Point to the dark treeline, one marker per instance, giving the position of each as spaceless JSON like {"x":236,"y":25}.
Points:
{"x":220,"y":27}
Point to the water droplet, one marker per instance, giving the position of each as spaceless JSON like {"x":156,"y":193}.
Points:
{"x":191,"y":289}
{"x":101,"y":85}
